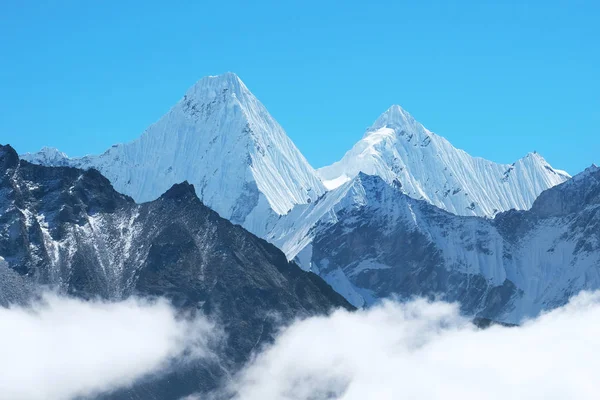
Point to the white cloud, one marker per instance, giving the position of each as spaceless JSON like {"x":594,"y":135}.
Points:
{"x":63,"y":347}
{"x":426,"y":351}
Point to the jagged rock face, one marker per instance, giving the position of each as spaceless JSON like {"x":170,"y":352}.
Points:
{"x":381,"y":243}
{"x":221,"y":139}
{"x":69,"y":228}
{"x":426,"y":166}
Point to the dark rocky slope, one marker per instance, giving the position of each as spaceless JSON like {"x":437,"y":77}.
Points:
{"x":69,"y":229}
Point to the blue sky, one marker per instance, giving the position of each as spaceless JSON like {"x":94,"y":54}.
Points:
{"x":498,"y":79}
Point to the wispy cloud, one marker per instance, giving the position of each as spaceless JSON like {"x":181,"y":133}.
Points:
{"x":62,"y":347}
{"x":424,"y":350}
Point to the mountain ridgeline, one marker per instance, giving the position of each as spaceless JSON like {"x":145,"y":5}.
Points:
{"x":402,"y":214}
{"x":220,"y":138}
{"x":427,"y":167}
{"x":69,"y":229}
{"x":379,"y":242}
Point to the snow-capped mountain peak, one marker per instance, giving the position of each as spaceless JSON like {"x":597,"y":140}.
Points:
{"x":507,"y":268}
{"x":221,"y":139}
{"x":394,"y":117}
{"x":211,"y":85}
{"x":426,"y":166}
{"x":226,"y":89}
{"x":48,"y":156}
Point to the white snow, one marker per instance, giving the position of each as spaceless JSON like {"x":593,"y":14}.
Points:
{"x":47,"y":156}
{"x":221,"y":139}
{"x":399,"y":149}
{"x":336,"y":182}
{"x":546,"y":263}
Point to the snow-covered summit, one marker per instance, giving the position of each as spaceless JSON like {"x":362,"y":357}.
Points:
{"x":426,"y":166}
{"x":516,"y":265}
{"x":221,"y":139}
{"x":47,"y":156}
{"x":394,"y":117}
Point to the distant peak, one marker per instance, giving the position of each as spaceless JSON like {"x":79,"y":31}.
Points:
{"x":47,"y":156}
{"x":394,"y":114}
{"x":53,"y":151}
{"x":211,"y":86}
{"x":592,"y":169}
{"x":228,"y":79}
{"x":396,"y":109}
{"x":225,"y":75}
{"x":534,"y":158}
{"x":8,"y":157}
{"x":534,"y":155}
{"x":7,"y":148}
{"x":394,"y":117}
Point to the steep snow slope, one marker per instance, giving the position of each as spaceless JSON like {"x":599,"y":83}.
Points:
{"x":221,"y":139}
{"x":426,"y":166}
{"x":377,"y":242}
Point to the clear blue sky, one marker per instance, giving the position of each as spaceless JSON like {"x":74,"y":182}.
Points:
{"x":497,"y":78}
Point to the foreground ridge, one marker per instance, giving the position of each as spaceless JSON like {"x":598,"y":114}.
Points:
{"x":68,"y":229}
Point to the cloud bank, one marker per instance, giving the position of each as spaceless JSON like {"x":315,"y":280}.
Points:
{"x":425,"y":350}
{"x":62,"y":347}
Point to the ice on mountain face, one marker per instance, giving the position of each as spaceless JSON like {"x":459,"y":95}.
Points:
{"x":220,"y":138}
{"x":426,"y":166}
{"x":293,"y":233}
{"x":380,"y":242}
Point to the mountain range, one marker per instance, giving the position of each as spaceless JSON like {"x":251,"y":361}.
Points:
{"x":215,"y":208}
{"x":427,"y":167}
{"x":382,"y":243}
{"x":221,"y":139}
